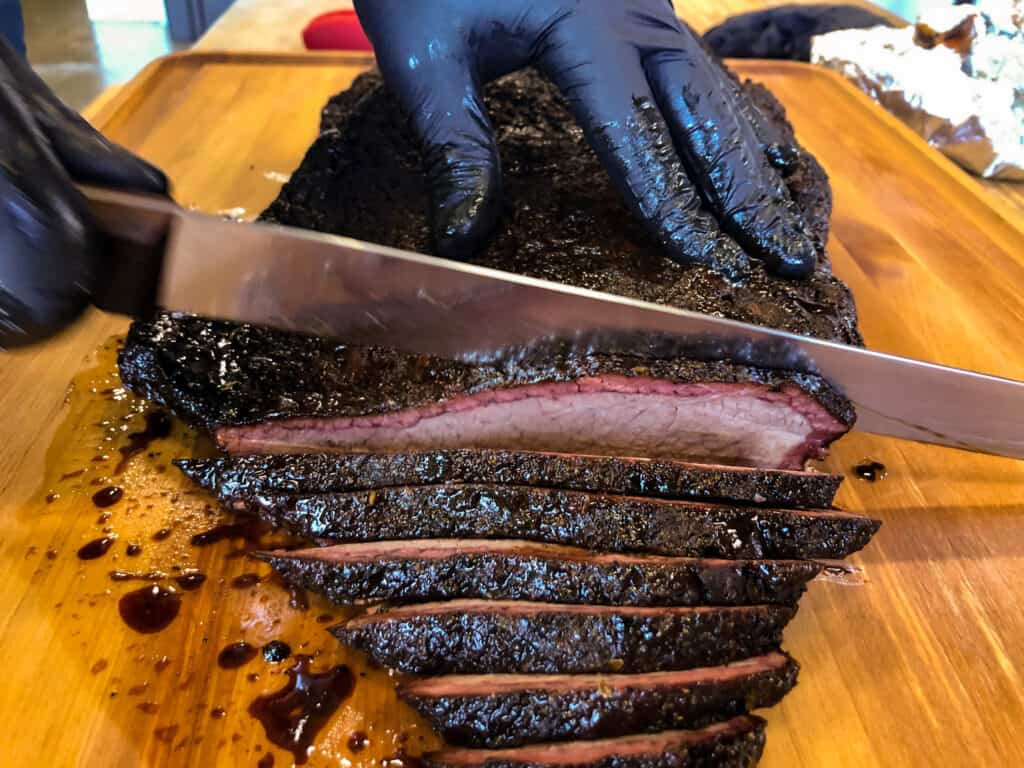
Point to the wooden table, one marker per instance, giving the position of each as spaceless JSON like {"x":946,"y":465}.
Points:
{"x":918,"y":665}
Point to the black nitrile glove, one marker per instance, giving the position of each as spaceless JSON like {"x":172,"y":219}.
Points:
{"x":47,"y":261}
{"x":667,"y":122}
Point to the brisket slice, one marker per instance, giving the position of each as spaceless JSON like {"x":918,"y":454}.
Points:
{"x":499,"y":711}
{"x":736,"y":743}
{"x":485,"y":636}
{"x":242,"y":477}
{"x":589,"y":520}
{"x":447,"y":569}
{"x":562,"y":220}
{"x":265,"y":391}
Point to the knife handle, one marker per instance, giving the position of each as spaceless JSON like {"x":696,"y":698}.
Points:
{"x":130,"y":242}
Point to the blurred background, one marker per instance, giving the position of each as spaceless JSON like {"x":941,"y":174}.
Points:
{"x":82,"y":46}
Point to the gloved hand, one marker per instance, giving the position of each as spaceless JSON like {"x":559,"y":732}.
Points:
{"x":667,"y":122}
{"x":47,"y":263}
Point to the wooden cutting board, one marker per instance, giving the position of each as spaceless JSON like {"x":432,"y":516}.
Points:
{"x":917,"y":661}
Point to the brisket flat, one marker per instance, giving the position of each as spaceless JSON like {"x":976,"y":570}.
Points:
{"x":264,"y":391}
{"x":447,"y":569}
{"x":589,"y":520}
{"x":235,"y":478}
{"x":500,"y":711}
{"x":486,"y":636}
{"x":736,"y":743}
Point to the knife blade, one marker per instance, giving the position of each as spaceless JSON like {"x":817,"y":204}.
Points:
{"x":362,"y":293}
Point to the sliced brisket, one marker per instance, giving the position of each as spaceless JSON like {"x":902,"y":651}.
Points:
{"x":736,"y":743}
{"x":589,"y":520}
{"x":499,"y":711}
{"x":446,"y":569}
{"x":265,"y":391}
{"x":485,"y":636}
{"x":242,"y":477}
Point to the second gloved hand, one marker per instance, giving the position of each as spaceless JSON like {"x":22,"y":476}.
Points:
{"x":48,"y":265}
{"x":670,"y":127}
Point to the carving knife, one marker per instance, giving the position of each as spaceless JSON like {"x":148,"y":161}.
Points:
{"x":164,"y":256}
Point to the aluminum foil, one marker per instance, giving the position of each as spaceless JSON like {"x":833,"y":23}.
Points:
{"x":956,"y":78}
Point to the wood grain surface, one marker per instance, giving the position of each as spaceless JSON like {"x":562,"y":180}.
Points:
{"x":916,"y":662}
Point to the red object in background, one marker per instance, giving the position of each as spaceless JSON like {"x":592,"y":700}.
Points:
{"x":336,"y":31}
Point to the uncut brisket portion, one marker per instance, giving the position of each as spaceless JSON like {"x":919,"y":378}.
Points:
{"x":446,"y":569}
{"x":264,"y":391}
{"x":489,"y":636}
{"x":562,"y":220}
{"x":736,"y":743}
{"x":589,"y":520}
{"x":499,"y":711}
{"x":242,"y":477}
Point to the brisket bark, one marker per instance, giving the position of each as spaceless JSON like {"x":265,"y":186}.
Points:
{"x":589,"y":520}
{"x":736,"y":743}
{"x":500,"y":711}
{"x":562,"y":219}
{"x":448,"y":569}
{"x":260,"y":390}
{"x":239,"y":478}
{"x":484,"y":636}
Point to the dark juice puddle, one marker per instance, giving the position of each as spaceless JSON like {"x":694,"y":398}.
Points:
{"x":250,"y":531}
{"x":190,"y":581}
{"x":107,"y":497}
{"x":149,"y":609}
{"x":293,"y":716}
{"x":158,"y":425}
{"x":236,"y":655}
{"x":96,"y":548}
{"x":871,"y":470}
{"x":246,"y":580}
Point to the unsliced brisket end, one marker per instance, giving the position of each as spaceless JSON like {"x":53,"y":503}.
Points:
{"x":487,"y":636}
{"x":590,"y":520}
{"x":242,"y":477}
{"x":736,"y":743}
{"x":447,"y":569}
{"x":562,"y":219}
{"x":499,"y":711}
{"x":265,"y":391}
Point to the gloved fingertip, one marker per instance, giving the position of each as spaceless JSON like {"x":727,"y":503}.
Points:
{"x":793,"y":259}
{"x":465,"y":216}
{"x":785,"y":158}
{"x":690,"y":238}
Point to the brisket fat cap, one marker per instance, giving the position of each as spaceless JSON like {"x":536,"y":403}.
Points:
{"x":591,"y":520}
{"x":430,"y":570}
{"x":562,"y":219}
{"x":266,"y":391}
{"x":490,"y":636}
{"x":736,"y":743}
{"x":237,"y":479}
{"x":501,"y":711}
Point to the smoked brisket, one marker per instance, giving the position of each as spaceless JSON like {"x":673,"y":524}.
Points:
{"x":589,"y":520}
{"x":500,"y":711}
{"x":264,"y":391}
{"x":485,"y":636}
{"x":447,"y":569}
{"x":736,"y":743}
{"x":239,"y":478}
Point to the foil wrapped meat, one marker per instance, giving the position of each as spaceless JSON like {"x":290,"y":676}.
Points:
{"x":956,"y":78}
